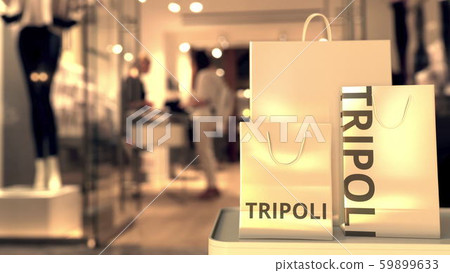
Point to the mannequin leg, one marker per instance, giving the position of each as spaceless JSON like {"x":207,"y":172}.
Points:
{"x":30,"y":53}
{"x":49,"y":67}
{"x":40,"y":175}
{"x":40,"y":51}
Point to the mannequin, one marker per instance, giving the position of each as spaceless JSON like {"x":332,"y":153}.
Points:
{"x":40,"y":48}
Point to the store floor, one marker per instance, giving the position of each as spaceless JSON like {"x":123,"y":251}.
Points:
{"x":176,"y":223}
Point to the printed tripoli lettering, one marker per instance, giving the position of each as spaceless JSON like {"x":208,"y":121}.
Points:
{"x":363,"y":159}
{"x":278,"y":211}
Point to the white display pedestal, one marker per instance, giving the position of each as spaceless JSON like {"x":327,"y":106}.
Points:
{"x":225,"y":240}
{"x":29,"y":214}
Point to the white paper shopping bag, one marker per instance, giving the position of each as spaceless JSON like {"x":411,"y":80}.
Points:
{"x":390,"y":161}
{"x":305,"y":78}
{"x":286,"y":182}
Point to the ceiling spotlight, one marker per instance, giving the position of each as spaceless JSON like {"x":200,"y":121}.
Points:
{"x":216,"y":53}
{"x":246,"y":113}
{"x":142,"y":1}
{"x":220,"y":72}
{"x":174,"y":7}
{"x":129,"y":57}
{"x":247,"y":93}
{"x":134,"y":73}
{"x":196,"y":7}
{"x":117,"y":49}
{"x":184,"y":47}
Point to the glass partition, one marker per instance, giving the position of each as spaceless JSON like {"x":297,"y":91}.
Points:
{"x":110,"y":203}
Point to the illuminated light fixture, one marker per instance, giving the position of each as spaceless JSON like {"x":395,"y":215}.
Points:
{"x":91,"y":243}
{"x":184,"y":47}
{"x":174,"y":7}
{"x":196,"y":7}
{"x":129,"y":57}
{"x":220,"y":72}
{"x":117,"y":49}
{"x":247,"y":93}
{"x":142,"y":1}
{"x":246,"y":113}
{"x":216,"y":53}
{"x":134,"y":72}
{"x":323,"y":40}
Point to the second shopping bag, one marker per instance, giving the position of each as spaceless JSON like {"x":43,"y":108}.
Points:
{"x":390,"y":163}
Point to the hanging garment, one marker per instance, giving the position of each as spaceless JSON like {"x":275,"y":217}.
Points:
{"x":61,"y":13}
{"x":421,"y":57}
{"x":445,"y":12}
{"x":401,"y":34}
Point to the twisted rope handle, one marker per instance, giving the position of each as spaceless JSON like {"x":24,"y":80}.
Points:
{"x":299,"y":153}
{"x":405,"y":111}
{"x":325,"y":19}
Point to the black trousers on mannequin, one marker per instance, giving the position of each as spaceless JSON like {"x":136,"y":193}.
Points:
{"x":40,"y":50}
{"x":401,"y":34}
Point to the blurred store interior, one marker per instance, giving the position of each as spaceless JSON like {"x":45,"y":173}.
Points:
{"x":100,"y":52}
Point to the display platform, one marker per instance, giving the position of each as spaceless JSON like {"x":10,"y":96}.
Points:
{"x":29,"y":214}
{"x":225,"y":240}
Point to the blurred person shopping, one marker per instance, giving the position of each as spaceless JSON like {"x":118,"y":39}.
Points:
{"x":209,"y":91}
{"x":133,"y":98}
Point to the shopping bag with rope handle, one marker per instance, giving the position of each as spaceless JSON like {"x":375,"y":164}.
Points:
{"x":286,"y":181}
{"x":390,"y":161}
{"x":303,"y":78}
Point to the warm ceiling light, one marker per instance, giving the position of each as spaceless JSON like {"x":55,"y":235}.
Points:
{"x":184,"y":47}
{"x":220,"y":72}
{"x":196,"y":7}
{"x":247,"y":93}
{"x":117,"y":49}
{"x":129,"y":57}
{"x":174,"y":7}
{"x":142,"y":1}
{"x":216,"y":53}
{"x":246,"y":113}
{"x":134,"y":73}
